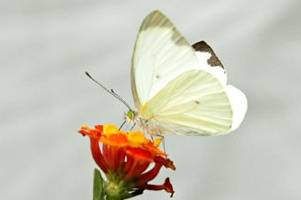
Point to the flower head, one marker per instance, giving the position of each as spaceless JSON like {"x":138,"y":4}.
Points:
{"x":129,"y":160}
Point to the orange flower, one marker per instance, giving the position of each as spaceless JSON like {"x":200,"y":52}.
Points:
{"x":125,"y":158}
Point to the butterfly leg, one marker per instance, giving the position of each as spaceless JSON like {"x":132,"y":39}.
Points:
{"x":133,"y":126}
{"x":163,"y":143}
{"x":152,"y":138}
{"x":122,"y":125}
{"x":162,"y":139}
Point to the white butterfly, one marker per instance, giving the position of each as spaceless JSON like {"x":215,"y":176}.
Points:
{"x":179,"y":88}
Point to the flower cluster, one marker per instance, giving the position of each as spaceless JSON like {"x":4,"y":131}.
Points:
{"x":128,"y":159}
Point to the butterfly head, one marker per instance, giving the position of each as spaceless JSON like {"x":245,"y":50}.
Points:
{"x":131,"y":115}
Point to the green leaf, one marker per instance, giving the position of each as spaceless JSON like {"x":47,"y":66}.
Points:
{"x":98,"y":191}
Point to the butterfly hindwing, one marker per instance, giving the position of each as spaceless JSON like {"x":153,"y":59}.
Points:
{"x":194,"y":103}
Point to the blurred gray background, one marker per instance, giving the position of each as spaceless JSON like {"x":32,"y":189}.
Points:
{"x":45,"y":47}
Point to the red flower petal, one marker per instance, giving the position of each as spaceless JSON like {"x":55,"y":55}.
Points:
{"x":165,"y":162}
{"x":137,"y":162}
{"x":167,"y":186}
{"x":97,"y":155}
{"x":148,"y":176}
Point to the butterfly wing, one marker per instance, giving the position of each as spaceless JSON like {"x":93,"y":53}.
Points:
{"x":194,"y":103}
{"x":161,"y":53}
{"x":203,"y":47}
{"x":174,"y":86}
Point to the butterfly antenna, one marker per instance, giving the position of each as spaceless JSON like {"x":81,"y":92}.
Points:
{"x":111,"y":91}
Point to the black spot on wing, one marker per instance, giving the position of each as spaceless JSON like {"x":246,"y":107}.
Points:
{"x":213,"y":61}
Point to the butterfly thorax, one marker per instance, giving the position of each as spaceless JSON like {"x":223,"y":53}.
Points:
{"x":141,"y":122}
{"x":147,"y":125}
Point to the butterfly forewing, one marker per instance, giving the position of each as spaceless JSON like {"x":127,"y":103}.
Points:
{"x":161,"y":53}
{"x":213,"y":60}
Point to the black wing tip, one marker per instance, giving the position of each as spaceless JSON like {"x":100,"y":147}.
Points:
{"x":202,"y":46}
{"x":198,"y":46}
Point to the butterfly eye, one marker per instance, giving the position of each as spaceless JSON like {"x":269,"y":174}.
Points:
{"x":130,"y":114}
{"x":196,"y":102}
